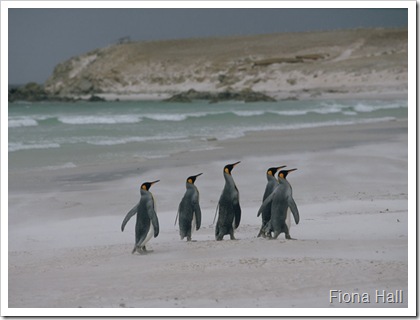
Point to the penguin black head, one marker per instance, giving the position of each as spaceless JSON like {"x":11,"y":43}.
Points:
{"x":229,"y":167}
{"x":146,"y":186}
{"x":272,"y":171}
{"x":192,"y":178}
{"x":283,"y":173}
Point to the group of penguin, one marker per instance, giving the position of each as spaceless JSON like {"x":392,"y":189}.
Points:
{"x":275,"y":209}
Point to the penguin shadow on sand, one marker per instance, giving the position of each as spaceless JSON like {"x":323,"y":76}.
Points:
{"x":277,"y":205}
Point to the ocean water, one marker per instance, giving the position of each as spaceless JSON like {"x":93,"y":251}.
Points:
{"x":54,"y":135}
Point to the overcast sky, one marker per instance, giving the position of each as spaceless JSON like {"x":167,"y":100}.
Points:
{"x":39,"y":39}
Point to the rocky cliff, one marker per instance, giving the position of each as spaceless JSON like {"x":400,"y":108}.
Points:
{"x":281,"y":65}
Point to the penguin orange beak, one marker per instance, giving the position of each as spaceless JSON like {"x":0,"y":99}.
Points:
{"x":198,"y":175}
{"x":291,"y":170}
{"x":234,"y":164}
{"x":146,"y":186}
{"x":278,"y":168}
{"x":229,"y":167}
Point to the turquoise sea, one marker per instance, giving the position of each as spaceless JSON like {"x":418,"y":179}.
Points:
{"x":54,"y":135}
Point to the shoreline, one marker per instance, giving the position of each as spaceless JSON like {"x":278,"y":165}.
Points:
{"x":303,"y":95}
{"x":378,"y":94}
{"x":265,"y":143}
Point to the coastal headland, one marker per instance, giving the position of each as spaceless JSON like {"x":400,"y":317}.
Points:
{"x":282,"y":66}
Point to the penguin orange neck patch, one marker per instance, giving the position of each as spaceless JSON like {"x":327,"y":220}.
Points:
{"x":190,"y":181}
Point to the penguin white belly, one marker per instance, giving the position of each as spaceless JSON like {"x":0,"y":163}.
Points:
{"x":149,"y":236}
{"x":288,"y":219}
{"x":193,"y":224}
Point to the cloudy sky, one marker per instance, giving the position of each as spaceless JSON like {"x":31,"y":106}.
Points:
{"x":39,"y":39}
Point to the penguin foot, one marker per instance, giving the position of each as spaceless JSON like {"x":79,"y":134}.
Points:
{"x":137,"y":249}
{"x":145,"y":252}
{"x":141,"y":250}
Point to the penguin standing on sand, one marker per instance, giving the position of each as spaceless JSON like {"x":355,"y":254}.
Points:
{"x":147,"y":223}
{"x":189,"y":210}
{"x":272,"y":183}
{"x":229,"y":208}
{"x":281,"y":200}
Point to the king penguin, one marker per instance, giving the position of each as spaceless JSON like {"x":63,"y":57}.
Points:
{"x":281,"y":200}
{"x":189,"y":210}
{"x":269,"y":188}
{"x":147,"y":223}
{"x":229,"y":208}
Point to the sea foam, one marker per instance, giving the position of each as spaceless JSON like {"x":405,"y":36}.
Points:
{"x":111,"y":119}
{"x":21,"y":146}
{"x":22,"y":122}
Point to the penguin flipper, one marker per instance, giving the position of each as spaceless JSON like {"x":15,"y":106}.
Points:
{"x":215,"y":214}
{"x":237,"y":212}
{"x":294,"y":209}
{"x":265,"y":203}
{"x":155,"y":223}
{"x":130,"y":213}
{"x":197,"y":212}
{"x":177,"y":214}
{"x":153,"y":217}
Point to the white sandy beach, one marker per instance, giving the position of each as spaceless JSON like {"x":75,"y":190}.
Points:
{"x":66,"y":249}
